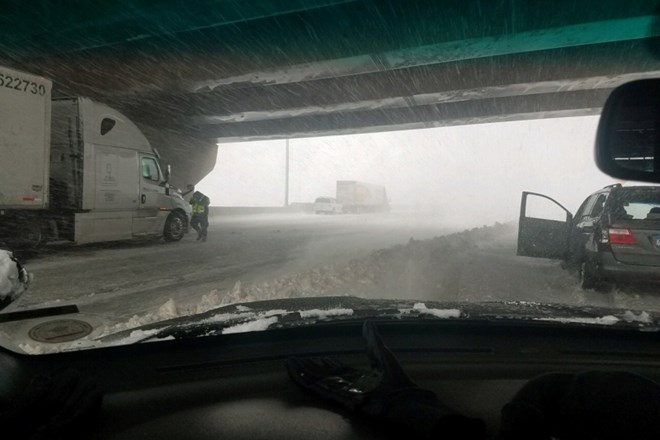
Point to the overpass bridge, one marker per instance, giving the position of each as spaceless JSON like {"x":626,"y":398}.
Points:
{"x":193,"y":74}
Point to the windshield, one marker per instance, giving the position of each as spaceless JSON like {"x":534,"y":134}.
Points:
{"x":430,"y":153}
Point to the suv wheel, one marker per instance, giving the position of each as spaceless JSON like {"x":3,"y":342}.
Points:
{"x":589,"y":278}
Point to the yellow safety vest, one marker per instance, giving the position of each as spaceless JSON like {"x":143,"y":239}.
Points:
{"x":198,"y":208}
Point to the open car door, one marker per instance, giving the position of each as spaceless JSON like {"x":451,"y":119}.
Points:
{"x":540,"y":237}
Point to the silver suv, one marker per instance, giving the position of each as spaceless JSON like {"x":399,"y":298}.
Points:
{"x":614,"y":236}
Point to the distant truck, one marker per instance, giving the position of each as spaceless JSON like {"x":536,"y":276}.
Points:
{"x":73,"y":169}
{"x":357,"y":197}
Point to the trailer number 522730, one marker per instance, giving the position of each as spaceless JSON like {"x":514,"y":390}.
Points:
{"x":22,"y":85}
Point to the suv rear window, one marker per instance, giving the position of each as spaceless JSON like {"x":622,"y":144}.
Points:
{"x":638,"y":204}
{"x":323,"y":200}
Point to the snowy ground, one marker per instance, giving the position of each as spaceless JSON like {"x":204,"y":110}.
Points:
{"x":259,"y":257}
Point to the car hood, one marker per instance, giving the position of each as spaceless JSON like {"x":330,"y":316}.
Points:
{"x":286,"y":313}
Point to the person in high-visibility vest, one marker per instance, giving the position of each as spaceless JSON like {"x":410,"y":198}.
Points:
{"x":200,"y":214}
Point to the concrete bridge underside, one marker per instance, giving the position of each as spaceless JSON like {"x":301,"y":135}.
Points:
{"x":225,"y":70}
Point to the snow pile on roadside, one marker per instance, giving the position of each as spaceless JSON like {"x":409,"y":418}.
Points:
{"x":415,"y":268}
{"x":404,"y":268}
{"x":412,"y":268}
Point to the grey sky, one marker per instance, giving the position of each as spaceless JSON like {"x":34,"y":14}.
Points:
{"x":474,"y":172}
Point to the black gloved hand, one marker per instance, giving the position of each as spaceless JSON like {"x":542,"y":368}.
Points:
{"x":385,"y":392}
{"x":61,"y":406}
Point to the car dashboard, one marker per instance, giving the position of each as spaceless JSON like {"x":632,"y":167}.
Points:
{"x":236,"y":386}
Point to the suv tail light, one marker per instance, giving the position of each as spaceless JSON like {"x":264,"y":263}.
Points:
{"x":621,"y":236}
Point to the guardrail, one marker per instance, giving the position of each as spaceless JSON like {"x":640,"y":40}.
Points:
{"x":294,"y":208}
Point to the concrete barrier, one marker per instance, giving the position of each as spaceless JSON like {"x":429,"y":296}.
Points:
{"x":294,"y":208}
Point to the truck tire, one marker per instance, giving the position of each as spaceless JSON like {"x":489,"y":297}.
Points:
{"x":31,"y":235}
{"x":175,"y":227}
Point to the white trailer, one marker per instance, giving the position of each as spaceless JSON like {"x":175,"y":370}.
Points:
{"x":73,"y":169}
{"x":24,"y":140}
{"x":359,"y":197}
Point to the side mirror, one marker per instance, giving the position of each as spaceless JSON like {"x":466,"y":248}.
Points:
{"x":627,"y":141}
{"x":14,"y":279}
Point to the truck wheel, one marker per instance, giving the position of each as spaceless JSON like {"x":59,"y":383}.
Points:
{"x":175,"y":227}
{"x":30,"y":235}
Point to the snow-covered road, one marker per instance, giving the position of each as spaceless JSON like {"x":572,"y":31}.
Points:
{"x":260,"y":257}
{"x":124,"y":279}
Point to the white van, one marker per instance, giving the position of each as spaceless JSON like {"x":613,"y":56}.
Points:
{"x":327,"y":205}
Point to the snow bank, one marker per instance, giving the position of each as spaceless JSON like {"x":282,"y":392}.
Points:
{"x":417,"y":269}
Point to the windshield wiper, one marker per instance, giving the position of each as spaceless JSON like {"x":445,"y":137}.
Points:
{"x":243,"y":319}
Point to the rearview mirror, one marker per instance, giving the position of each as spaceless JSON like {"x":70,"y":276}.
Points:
{"x":627,"y":140}
{"x":168,"y":173}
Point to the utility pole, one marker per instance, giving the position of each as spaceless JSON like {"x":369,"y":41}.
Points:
{"x":286,"y":181}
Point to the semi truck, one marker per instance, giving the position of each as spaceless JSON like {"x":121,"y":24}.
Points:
{"x":77,"y":170}
{"x":358,"y":197}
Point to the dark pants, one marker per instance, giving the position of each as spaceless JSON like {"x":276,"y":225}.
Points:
{"x":200,"y":223}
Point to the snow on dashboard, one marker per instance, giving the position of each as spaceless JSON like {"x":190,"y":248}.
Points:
{"x":643,"y":317}
{"x":421,"y":309}
{"x":601,"y":320}
{"x":252,"y":326}
{"x":318,"y":313}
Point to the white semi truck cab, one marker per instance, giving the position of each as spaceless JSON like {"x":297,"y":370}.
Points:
{"x":74,"y":169}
